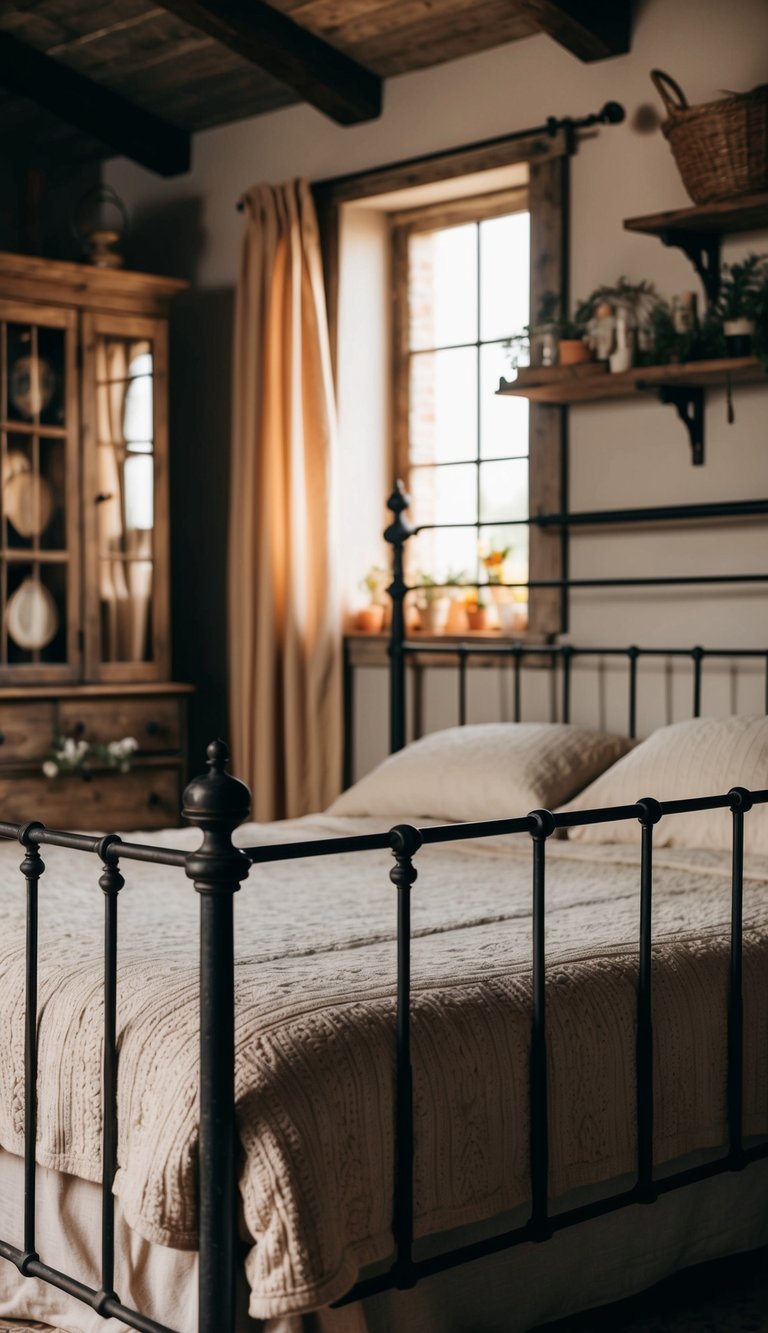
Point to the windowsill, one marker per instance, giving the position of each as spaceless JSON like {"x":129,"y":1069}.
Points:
{"x":365,"y":649}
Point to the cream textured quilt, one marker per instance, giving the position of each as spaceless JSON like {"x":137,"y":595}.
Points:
{"x":315,"y":943}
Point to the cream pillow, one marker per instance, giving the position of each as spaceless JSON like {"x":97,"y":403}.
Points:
{"x":704,"y":757}
{"x":496,"y":770}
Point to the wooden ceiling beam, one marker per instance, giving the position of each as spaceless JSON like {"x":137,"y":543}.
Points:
{"x":93,"y":109}
{"x":589,"y":29}
{"x":332,"y":82}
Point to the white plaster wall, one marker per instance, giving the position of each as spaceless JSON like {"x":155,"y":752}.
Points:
{"x":622,"y":453}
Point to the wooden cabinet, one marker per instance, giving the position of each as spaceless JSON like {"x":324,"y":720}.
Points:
{"x":84,"y":629}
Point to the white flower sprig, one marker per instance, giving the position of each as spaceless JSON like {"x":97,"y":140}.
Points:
{"x":68,"y":755}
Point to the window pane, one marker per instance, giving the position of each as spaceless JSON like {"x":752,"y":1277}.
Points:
{"x":447,"y":553}
{"x":503,"y":421}
{"x":443,"y":406}
{"x":503,"y":491}
{"x":442,"y":287}
{"x":445,"y":494}
{"x":504,"y":275}
{"x":513,"y":540}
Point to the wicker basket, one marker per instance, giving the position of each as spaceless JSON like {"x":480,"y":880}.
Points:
{"x":721,"y":148}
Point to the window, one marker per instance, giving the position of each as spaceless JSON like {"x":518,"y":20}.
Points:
{"x":470,"y":460}
{"x":462,"y":281}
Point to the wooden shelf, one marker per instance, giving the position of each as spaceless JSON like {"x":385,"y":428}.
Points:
{"x":730,"y":215}
{"x":565,"y":388}
{"x":697,"y":231}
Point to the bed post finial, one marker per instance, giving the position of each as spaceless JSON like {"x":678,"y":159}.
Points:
{"x":397,"y":535}
{"x":216,"y":803}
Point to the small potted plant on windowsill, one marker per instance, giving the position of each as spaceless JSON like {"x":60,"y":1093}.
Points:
{"x":432,"y":604}
{"x":478,"y":612}
{"x":370,"y":619}
{"x":456,"y":622}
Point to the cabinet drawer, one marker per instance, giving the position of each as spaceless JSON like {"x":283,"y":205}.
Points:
{"x":142,"y":799}
{"x":151,"y":719}
{"x":26,"y":730}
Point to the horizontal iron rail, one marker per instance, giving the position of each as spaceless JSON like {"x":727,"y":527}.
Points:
{"x":109,"y":1307}
{"x":439,"y":1263}
{"x":645,"y":514}
{"x":653,"y":581}
{"x":517,"y":648}
{"x":83,"y":842}
{"x":653,"y":514}
{"x":440,"y":833}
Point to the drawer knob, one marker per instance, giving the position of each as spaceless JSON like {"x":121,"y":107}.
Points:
{"x":152,"y":728}
{"x":153,"y":800}
{"x":80,"y":728}
{"x":2,"y":738}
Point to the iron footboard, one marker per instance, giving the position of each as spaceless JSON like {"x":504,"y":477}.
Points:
{"x":217,"y":804}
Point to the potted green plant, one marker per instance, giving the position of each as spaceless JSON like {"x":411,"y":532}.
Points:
{"x":370,"y":619}
{"x":619,"y":320}
{"x":432,"y":604}
{"x":455,"y":580}
{"x":573,"y":348}
{"x":740,"y":301}
{"x":478,"y":612}
{"x":536,"y":343}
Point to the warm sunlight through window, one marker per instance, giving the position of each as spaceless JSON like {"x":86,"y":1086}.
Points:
{"x":467,"y":451}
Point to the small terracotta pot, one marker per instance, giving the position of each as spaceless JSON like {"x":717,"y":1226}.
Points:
{"x":574,"y":351}
{"x":369,"y":619}
{"x":457,"y":618}
{"x":479,"y":618}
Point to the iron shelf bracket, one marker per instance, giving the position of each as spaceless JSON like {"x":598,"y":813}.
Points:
{"x":703,"y":250}
{"x":689,"y":405}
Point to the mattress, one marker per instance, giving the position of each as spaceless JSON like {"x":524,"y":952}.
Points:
{"x":315,"y":944}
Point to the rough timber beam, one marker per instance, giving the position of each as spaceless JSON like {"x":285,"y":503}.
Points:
{"x":329,"y":80}
{"x":92,"y":108}
{"x":589,"y":29}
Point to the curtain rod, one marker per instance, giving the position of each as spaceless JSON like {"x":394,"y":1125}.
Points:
{"x":612,"y":113}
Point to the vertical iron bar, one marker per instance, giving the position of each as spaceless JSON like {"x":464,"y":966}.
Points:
{"x":462,"y":686}
{"x":633,"y":654}
{"x":110,"y":883}
{"x":697,"y":654}
{"x":650,"y":813}
{"x":397,"y":534}
{"x":349,"y":718}
{"x":405,"y":842}
{"x":32,"y":868}
{"x":516,"y":651}
{"x":544,"y":825}
{"x":567,"y":654}
{"x":217,"y":803}
{"x":417,"y":697}
{"x":740,"y":804}
{"x":565,"y":531}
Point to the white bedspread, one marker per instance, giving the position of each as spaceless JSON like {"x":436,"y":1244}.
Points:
{"x":315,"y":945}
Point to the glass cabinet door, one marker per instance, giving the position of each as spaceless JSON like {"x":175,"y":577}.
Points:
{"x":125,"y":499}
{"x":39,"y":494}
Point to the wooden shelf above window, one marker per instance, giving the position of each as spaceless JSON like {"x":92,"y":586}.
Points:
{"x":564,"y":387}
{"x":727,"y":216}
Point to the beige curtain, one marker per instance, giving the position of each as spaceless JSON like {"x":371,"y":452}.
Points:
{"x":284,"y":608}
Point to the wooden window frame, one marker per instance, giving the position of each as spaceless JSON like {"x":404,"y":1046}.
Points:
{"x":548,"y":158}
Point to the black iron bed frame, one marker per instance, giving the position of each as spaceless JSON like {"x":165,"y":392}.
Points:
{"x":217,"y":804}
